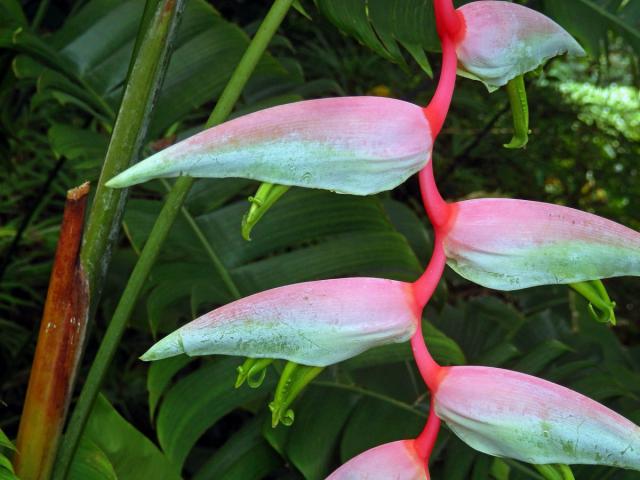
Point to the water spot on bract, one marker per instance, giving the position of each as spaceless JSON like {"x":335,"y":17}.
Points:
{"x":306,"y":177}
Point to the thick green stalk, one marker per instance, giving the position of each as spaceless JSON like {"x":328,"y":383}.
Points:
{"x":128,"y":136}
{"x":126,"y":141}
{"x":158,"y":234}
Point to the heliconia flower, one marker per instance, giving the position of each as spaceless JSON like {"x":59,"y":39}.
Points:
{"x":314,"y":323}
{"x":510,"y":414}
{"x":356,"y":145}
{"x":391,"y":461}
{"x":509,"y":244}
{"x":501,"y":40}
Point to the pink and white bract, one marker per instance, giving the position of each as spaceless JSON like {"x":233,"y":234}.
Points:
{"x":314,"y":323}
{"x":509,"y":244}
{"x":510,"y":414}
{"x":356,"y":145}
{"x":391,"y":461}
{"x":503,"y":40}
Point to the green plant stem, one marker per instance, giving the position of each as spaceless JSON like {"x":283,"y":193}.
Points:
{"x":39,"y":16}
{"x":158,"y":234}
{"x":213,"y":256}
{"x":126,"y":141}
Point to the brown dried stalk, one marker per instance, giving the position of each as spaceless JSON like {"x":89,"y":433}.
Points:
{"x":58,"y":349}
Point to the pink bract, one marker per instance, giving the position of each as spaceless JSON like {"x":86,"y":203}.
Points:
{"x":510,"y":414}
{"x":314,"y":323}
{"x":357,"y":145}
{"x":391,"y":461}
{"x":508,"y":244}
{"x":503,"y":40}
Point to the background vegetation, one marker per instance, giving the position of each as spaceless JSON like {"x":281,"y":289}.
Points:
{"x":64,"y":64}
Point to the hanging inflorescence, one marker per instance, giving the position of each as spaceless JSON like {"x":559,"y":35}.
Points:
{"x":364,"y":145}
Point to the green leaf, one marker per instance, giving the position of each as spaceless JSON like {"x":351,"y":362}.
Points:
{"x":316,"y":433}
{"x":160,"y":375}
{"x":26,"y":67}
{"x":383,"y":25}
{"x":541,"y":356}
{"x":362,"y":432}
{"x":459,"y":460}
{"x":132,"y":455}
{"x":197,"y":401}
{"x":591,"y":20}
{"x":93,"y":49}
{"x":91,"y":463}
{"x":477,"y":325}
{"x":11,"y":14}
{"x":207,"y":50}
{"x":499,"y":354}
{"x":405,"y":220}
{"x":5,"y":442}
{"x":84,"y":146}
{"x":245,"y":456}
{"x":54,"y":83}
{"x":6,"y":470}
{"x":27,"y":42}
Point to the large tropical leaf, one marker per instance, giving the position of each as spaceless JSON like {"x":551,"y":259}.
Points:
{"x":6,"y":450}
{"x":384,"y":25}
{"x":591,"y":20}
{"x":85,"y":63}
{"x":196,"y":402}
{"x":131,"y":454}
{"x":245,"y":456}
{"x":91,"y":463}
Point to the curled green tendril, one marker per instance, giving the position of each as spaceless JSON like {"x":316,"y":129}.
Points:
{"x":293,"y":379}
{"x":266,"y":195}
{"x":598,"y":298}
{"x":555,"y":472}
{"x":520,"y":110}
{"x":253,"y":371}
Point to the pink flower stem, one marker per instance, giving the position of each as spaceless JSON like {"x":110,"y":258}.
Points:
{"x":425,"y":285}
{"x":449,"y":25}
{"x":427,"y":439}
{"x":429,"y":369}
{"x":438,"y":210}
{"x":448,"y":21}
{"x":436,"y":111}
{"x":423,"y":290}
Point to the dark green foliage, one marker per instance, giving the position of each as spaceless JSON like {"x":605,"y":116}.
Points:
{"x":60,"y":86}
